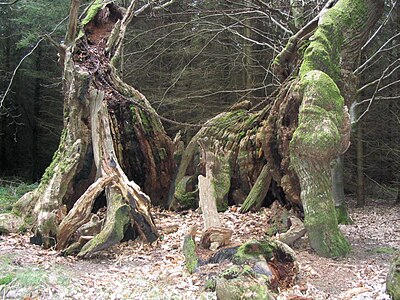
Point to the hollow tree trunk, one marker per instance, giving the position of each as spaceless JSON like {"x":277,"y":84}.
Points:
{"x":304,"y":128}
{"x":112,"y":144}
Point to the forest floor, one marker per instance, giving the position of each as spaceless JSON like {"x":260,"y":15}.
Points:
{"x":133,"y":270}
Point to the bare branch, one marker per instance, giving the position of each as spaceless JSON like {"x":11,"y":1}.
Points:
{"x":380,"y":27}
{"x":364,"y":66}
{"x":23,"y":59}
{"x":16,"y":69}
{"x":367,"y":85}
{"x":9,"y":3}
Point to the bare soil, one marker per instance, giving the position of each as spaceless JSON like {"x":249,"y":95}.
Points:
{"x":133,"y":270}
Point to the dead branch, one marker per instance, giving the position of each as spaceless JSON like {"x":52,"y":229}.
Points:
{"x":9,"y":3}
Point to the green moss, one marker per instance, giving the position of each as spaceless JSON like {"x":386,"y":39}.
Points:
{"x":225,"y":120}
{"x":189,"y":251}
{"x":320,"y":90}
{"x":7,"y":279}
{"x":118,"y":218}
{"x":29,"y":220}
{"x":22,"y":229}
{"x":184,"y":198}
{"x":241,"y":282}
{"x":393,"y":278}
{"x":250,"y":251}
{"x":325,"y":237}
{"x":162,"y":153}
{"x":323,"y":52}
{"x":188,"y":200}
{"x":260,"y":292}
{"x":48,"y":174}
{"x":232,"y":272}
{"x":385,"y":250}
{"x":342,"y":215}
{"x":92,"y":11}
{"x":320,"y":116}
{"x":210,"y":285}
{"x":116,"y":61}
{"x":145,"y":121}
{"x":221,"y":182}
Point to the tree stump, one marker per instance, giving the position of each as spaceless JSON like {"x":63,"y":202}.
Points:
{"x":214,"y":235}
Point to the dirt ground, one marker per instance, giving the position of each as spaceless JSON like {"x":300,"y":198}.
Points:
{"x":134,"y":270}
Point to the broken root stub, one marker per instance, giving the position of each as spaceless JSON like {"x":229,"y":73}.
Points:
{"x":216,"y":237}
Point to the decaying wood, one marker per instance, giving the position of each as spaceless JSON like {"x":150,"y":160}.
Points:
{"x":114,"y":228}
{"x":295,"y":232}
{"x":215,"y":237}
{"x":207,"y":202}
{"x":80,"y":213}
{"x":207,"y":199}
{"x":259,"y":268}
{"x":73,"y":21}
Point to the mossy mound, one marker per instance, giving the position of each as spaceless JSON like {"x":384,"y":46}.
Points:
{"x":260,"y":269}
{"x":242,"y":282}
{"x":10,"y":223}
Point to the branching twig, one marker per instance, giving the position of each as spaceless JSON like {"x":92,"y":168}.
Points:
{"x":23,"y":59}
{"x":9,"y":3}
{"x":17,"y":68}
{"x":362,"y":68}
{"x":380,"y":27}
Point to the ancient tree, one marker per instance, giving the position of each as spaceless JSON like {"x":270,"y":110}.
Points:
{"x":113,"y":154}
{"x":286,"y":150}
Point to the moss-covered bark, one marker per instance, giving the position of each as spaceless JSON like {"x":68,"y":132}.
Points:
{"x":236,"y":158}
{"x":322,"y":132}
{"x":393,"y":278}
{"x":260,"y":269}
{"x":189,"y":251}
{"x":114,"y":228}
{"x":260,"y":189}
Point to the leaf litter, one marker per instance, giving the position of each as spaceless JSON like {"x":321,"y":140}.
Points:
{"x":134,"y":270}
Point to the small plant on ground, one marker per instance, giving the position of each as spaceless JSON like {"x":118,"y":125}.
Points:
{"x":11,"y":190}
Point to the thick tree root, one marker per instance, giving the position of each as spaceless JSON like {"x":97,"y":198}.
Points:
{"x":260,"y":189}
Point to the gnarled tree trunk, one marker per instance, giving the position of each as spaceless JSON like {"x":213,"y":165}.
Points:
{"x":112,"y":145}
{"x":113,"y":142}
{"x":299,"y":133}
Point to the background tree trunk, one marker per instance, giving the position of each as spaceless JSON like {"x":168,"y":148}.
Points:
{"x":360,"y":166}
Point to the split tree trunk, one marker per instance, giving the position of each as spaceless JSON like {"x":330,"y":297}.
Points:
{"x":112,"y":144}
{"x":300,"y":132}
